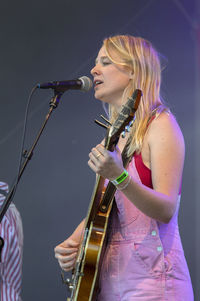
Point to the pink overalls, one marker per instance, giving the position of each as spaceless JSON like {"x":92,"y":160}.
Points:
{"x":144,"y":260}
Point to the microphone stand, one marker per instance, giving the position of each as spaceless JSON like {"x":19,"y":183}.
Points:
{"x":28,"y":155}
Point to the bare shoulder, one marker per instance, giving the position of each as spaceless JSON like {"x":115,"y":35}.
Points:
{"x":165,"y":129}
{"x":167,"y":152}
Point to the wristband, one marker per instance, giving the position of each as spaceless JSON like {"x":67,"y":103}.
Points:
{"x":126,"y":185}
{"x":121,"y":178}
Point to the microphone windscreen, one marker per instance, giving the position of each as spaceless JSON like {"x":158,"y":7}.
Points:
{"x":86,"y":83}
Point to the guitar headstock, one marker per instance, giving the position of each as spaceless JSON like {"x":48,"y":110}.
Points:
{"x":125,"y":116}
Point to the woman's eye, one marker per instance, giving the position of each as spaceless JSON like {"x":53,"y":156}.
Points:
{"x":106,"y":63}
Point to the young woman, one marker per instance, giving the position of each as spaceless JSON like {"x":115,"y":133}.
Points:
{"x":144,"y":259}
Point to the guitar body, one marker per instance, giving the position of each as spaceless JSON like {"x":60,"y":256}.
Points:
{"x":87,"y":286}
{"x":85,"y":277}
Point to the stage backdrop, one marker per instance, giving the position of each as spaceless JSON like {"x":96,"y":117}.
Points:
{"x":59,"y":40}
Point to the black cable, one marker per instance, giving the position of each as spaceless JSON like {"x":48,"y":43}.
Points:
{"x":21,"y":151}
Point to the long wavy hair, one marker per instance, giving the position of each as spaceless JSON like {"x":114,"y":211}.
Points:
{"x":142,"y":59}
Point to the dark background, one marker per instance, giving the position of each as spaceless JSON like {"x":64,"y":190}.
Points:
{"x":55,"y":40}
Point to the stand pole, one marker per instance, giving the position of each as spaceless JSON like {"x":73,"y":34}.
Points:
{"x":53,"y":104}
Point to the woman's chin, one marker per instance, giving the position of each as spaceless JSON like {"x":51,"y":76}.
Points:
{"x":99,"y":96}
{"x":106,"y":98}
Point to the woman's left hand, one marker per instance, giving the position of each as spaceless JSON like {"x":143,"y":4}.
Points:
{"x":105,"y":163}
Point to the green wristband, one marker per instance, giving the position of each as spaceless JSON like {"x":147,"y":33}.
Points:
{"x":121,"y":178}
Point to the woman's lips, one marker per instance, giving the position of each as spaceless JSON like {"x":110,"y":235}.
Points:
{"x":97,"y":82}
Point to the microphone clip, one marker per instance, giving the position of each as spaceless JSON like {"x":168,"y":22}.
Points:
{"x":56,"y":99}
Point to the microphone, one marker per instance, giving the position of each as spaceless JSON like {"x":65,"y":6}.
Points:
{"x":83,"y":83}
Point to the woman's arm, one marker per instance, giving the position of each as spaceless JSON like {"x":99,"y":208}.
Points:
{"x":166,"y":148}
{"x":66,"y":252}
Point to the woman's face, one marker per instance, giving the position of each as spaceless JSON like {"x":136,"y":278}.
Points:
{"x":110,"y":79}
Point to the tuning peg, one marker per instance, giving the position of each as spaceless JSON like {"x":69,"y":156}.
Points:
{"x":123,"y":134}
{"x":106,"y":120}
{"x":131,"y":122}
{"x":101,"y":124}
{"x":127,"y":128}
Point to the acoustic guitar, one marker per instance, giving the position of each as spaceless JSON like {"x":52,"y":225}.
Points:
{"x":84,"y":282}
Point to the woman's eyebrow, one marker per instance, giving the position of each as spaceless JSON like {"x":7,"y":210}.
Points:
{"x":101,"y":58}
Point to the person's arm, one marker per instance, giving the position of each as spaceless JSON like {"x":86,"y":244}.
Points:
{"x":166,"y":146}
{"x":66,"y":252}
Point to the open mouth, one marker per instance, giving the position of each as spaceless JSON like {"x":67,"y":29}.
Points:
{"x":97,"y":83}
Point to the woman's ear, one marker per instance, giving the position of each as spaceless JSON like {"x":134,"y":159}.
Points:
{"x":131,"y":74}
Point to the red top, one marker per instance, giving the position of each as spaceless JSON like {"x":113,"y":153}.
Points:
{"x":143,"y":171}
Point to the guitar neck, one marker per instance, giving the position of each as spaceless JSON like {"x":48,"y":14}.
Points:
{"x":97,"y":192}
{"x":101,"y":201}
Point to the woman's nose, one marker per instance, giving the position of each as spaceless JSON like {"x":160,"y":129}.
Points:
{"x":95,"y":70}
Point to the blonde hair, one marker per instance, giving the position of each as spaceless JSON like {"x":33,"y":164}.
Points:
{"x":142,"y":59}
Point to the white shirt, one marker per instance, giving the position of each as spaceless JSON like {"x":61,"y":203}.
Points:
{"x":11,"y":256}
